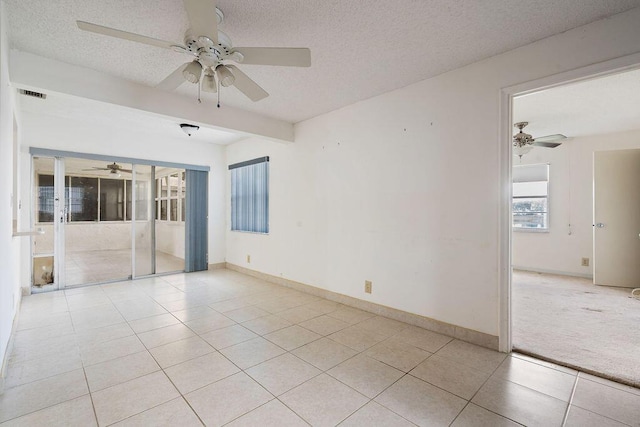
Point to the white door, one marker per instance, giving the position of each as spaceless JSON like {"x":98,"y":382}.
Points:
{"x":616,"y":214}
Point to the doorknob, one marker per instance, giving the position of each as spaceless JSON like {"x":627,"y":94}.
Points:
{"x":600,"y":225}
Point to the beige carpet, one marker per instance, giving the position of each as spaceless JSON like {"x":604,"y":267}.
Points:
{"x":572,"y":322}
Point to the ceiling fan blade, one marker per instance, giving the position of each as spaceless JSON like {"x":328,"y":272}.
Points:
{"x":247,"y":86}
{"x":125,"y":170}
{"x":284,"y":56}
{"x":551,"y":138}
{"x":173,"y":80}
{"x":546,"y":144}
{"x":94,"y":168}
{"x":548,"y":141}
{"x":203,"y":18}
{"x":99,"y":29}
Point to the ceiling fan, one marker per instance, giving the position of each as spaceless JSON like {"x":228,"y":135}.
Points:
{"x":212,"y":51}
{"x":524,"y":142}
{"x":114,"y":169}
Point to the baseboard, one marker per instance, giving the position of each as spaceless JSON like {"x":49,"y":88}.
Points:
{"x":218,"y":266}
{"x":463,"y":334}
{"x":9,"y":349}
{"x":556,"y":272}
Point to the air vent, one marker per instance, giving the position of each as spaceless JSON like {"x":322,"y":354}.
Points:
{"x":33,"y":94}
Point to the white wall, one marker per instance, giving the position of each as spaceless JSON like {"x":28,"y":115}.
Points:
{"x":9,"y":246}
{"x":46,"y":131}
{"x":403,"y":189}
{"x":571,"y":202}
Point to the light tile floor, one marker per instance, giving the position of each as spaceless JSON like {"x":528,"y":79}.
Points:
{"x":222,"y":348}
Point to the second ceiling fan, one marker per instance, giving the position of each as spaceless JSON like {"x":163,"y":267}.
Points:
{"x":212,"y":51}
{"x":524,"y":142}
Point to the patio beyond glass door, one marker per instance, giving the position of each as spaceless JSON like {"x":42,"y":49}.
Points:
{"x":97,"y":234}
{"x":105,"y":221}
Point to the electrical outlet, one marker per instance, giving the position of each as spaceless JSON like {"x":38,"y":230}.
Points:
{"x":585,"y":262}
{"x":248,"y":259}
{"x":367,"y":286}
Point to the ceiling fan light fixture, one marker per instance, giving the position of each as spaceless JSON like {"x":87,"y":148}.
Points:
{"x":521,"y":150}
{"x":209,"y":83}
{"x":225,"y":76}
{"x":192,"y":72}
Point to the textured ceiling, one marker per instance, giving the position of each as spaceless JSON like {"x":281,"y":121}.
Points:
{"x":593,"y":107}
{"x":359,"y":49}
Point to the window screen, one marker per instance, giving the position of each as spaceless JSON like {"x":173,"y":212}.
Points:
{"x":250,"y":195}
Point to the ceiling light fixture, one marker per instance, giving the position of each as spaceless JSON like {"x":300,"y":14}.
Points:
{"x":189,"y":129}
{"x":192,"y":72}
{"x":225,"y":76}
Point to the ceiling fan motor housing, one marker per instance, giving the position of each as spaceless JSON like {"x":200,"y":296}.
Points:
{"x":208,"y":52}
{"x":521,"y":139}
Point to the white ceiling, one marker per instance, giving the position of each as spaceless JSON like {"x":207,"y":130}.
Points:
{"x":90,"y":111}
{"x":359,"y":48}
{"x":593,"y":107}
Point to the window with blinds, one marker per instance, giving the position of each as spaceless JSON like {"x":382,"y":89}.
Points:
{"x":250,"y":196}
{"x":530,"y":206}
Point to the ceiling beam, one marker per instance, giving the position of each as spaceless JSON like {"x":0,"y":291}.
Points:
{"x":33,"y":72}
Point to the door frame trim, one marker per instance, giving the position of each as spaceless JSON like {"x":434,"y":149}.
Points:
{"x":505,"y":111}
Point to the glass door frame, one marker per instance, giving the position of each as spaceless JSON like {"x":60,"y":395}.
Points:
{"x":59,"y":222}
{"x":59,"y":214}
{"x":138,"y":243}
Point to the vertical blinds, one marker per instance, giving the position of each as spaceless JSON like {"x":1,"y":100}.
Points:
{"x":196,"y":241}
{"x":250,"y":195}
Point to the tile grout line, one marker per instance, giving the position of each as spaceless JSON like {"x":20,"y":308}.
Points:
{"x":593,"y":412}
{"x":93,"y":406}
{"x":478,"y":391}
{"x":573,"y":392}
{"x":181,"y":395}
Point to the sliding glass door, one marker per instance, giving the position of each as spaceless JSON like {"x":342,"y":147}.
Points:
{"x":106,"y":220}
{"x":97,"y":234}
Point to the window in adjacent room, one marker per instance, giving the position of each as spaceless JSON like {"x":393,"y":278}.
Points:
{"x":250,"y":196}
{"x":531,"y":197}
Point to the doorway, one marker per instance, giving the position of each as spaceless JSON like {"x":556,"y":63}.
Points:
{"x":105,"y":220}
{"x":558,"y":312}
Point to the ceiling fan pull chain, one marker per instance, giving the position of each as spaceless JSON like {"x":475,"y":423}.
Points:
{"x":199,"y":100}
{"x":218,"y":90}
